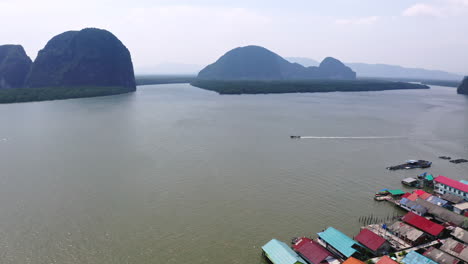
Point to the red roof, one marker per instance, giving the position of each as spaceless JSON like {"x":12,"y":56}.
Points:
{"x":423,"y":224}
{"x":300,"y":242}
{"x":406,"y":195}
{"x":311,"y":250}
{"x":452,"y":183}
{"x":422,"y":194}
{"x":386,"y":260}
{"x":419,"y":192}
{"x":370,"y":239}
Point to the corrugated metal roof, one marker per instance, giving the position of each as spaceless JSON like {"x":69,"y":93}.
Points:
{"x":425,"y":196}
{"x":311,"y":251}
{"x":452,"y":183}
{"x":462,"y":206}
{"x":279,"y":253}
{"x":460,"y":234}
{"x":415,"y":258}
{"x":423,"y":224}
{"x":412,"y":197}
{"x":401,"y":229}
{"x":444,"y":214}
{"x":452,"y":198}
{"x":422,"y":194}
{"x":456,"y":249}
{"x":339,"y":241}
{"x":414,"y":206}
{"x":409,"y":180}
{"x":429,"y":177}
{"x":440,"y":257}
{"x":419,"y":192}
{"x":386,"y":260}
{"x":370,"y":239}
{"x":437,"y":201}
{"x":396,"y":192}
{"x":353,"y":261}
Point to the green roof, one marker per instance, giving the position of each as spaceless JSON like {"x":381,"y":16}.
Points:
{"x":339,"y":241}
{"x":429,"y":177}
{"x":396,"y":192}
{"x":279,"y":253}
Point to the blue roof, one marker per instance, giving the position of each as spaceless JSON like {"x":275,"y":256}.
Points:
{"x":415,"y":258}
{"x":463,"y":181}
{"x":404,"y":201}
{"x":279,"y":253}
{"x":339,"y":241}
{"x":436,"y":200}
{"x":413,"y":206}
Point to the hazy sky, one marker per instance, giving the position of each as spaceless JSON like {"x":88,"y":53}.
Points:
{"x":432,"y":34}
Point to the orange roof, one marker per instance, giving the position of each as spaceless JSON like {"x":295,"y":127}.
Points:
{"x":352,"y":260}
{"x":413,"y":197}
{"x":386,"y":260}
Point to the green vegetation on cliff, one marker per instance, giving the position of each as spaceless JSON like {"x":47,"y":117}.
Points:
{"x":306,"y":86}
{"x":18,"y":95}
{"x":86,"y":63}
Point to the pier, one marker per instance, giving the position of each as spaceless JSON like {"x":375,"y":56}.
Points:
{"x":416,"y":236}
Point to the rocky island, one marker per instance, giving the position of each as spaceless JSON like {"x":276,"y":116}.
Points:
{"x":258,"y":63}
{"x":14,"y":66}
{"x":255,"y":70}
{"x":463,"y":88}
{"x":86,"y":63}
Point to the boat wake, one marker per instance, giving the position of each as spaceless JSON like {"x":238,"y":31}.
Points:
{"x":312,"y":137}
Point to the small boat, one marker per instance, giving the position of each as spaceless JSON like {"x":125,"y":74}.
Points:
{"x":380,"y":194}
{"x":445,"y":157}
{"x":457,"y":161}
{"x":382,"y":198}
{"x":295,"y":137}
{"x":411,"y":164}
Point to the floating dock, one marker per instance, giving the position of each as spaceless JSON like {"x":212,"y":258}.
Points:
{"x":411,"y":164}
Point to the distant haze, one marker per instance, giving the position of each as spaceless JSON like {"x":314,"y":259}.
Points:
{"x":418,"y":34}
{"x":169,"y":68}
{"x":387,"y":71}
{"x":307,"y":62}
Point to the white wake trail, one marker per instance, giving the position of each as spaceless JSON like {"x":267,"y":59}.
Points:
{"x":312,"y":137}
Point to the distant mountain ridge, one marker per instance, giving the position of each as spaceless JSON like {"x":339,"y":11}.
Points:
{"x":258,"y":63}
{"x":395,"y":71}
{"x":389,"y":71}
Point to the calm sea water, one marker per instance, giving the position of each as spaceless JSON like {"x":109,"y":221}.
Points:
{"x":175,"y":174}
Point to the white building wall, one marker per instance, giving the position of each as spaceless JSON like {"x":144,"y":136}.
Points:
{"x":443,"y":189}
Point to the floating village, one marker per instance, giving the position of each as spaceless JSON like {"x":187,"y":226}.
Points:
{"x":434,"y":229}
